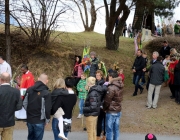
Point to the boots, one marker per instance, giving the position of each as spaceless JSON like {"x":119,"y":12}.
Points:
{"x":98,"y":138}
{"x":103,"y":138}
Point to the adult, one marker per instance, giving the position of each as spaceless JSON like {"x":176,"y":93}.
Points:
{"x":159,"y":31}
{"x":124,"y":29}
{"x":171,"y":76}
{"x":92,"y":106}
{"x":10,"y":101}
{"x":177,"y":82}
{"x":137,"y":69}
{"x":174,"y":53}
{"x":112,"y":106}
{"x":165,"y":49}
{"x":27,"y":80}
{"x":94,"y":64}
{"x":129,"y":31}
{"x":37,"y":103}
{"x":102,"y":115}
{"x":177,"y":28}
{"x":156,"y":73}
{"x":5,"y":67}
{"x":67,"y":102}
{"x":78,"y":69}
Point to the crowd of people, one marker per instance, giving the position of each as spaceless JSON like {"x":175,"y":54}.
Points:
{"x":99,"y":96}
{"x":163,"y":68}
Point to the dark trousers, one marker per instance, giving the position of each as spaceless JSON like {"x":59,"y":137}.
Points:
{"x":136,"y":80}
{"x":172,"y":89}
{"x":101,"y":120}
{"x":177,"y":93}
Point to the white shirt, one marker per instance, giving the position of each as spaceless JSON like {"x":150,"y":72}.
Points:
{"x":5,"y":67}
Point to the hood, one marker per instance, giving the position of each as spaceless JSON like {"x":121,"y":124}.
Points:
{"x":59,"y":91}
{"x":117,"y":82}
{"x":39,"y":86}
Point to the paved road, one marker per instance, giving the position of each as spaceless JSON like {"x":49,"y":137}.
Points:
{"x":22,"y":135}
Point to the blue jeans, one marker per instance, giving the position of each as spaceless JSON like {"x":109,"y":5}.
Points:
{"x":81,"y":105}
{"x":35,"y":131}
{"x":136,"y":80}
{"x":55,"y":129}
{"x":112,"y":126}
{"x":143,"y":79}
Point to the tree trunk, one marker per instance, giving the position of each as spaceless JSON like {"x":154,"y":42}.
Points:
{"x":7,"y":32}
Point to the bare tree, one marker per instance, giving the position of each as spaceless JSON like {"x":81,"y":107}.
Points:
{"x":88,"y":7}
{"x":116,"y":8}
{"x":38,"y":18}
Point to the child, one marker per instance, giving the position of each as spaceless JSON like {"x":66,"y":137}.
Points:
{"x":82,"y":94}
{"x":121,"y":74}
{"x":166,"y":62}
{"x":143,"y":80}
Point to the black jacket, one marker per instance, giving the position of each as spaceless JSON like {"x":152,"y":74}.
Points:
{"x":93,"y":101}
{"x":177,"y":76}
{"x":163,"y":52}
{"x":94,"y":67}
{"x":100,"y":82}
{"x":37,"y":103}
{"x":157,"y":72}
{"x":10,"y":101}
{"x":139,"y":65}
{"x":66,"y":102}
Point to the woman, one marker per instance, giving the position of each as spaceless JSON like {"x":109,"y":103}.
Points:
{"x":63,"y":96}
{"x":177,"y":82}
{"x":92,"y":106}
{"x":101,"y":118}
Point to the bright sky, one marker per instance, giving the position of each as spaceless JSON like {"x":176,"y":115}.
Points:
{"x":75,"y":24}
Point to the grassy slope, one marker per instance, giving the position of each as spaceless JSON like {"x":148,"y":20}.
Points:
{"x":57,"y":61}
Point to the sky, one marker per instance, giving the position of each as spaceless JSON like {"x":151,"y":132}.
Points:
{"x":74,"y":23}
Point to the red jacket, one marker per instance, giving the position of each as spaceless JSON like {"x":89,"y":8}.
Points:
{"x":171,"y":71}
{"x":122,"y":76}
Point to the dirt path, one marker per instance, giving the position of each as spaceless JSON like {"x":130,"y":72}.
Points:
{"x":136,"y":118}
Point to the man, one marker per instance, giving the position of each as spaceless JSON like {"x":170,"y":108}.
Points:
{"x":156,"y":73}
{"x":177,"y":28}
{"x":10,"y":102}
{"x":129,"y":30}
{"x":165,"y":50}
{"x":5,"y":67}
{"x":112,"y":106}
{"x":67,"y":103}
{"x":37,"y":103}
{"x":137,"y":68}
{"x":94,"y":64}
{"x":27,"y":79}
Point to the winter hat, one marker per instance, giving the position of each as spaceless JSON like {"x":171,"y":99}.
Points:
{"x":150,"y":136}
{"x":93,"y":53}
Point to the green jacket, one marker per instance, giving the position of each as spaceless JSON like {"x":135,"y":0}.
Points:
{"x":81,"y":89}
{"x":176,"y":29}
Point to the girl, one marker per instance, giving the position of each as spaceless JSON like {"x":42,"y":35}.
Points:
{"x":177,"y":82}
{"x":82,"y":94}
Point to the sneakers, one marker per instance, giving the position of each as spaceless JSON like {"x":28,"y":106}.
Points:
{"x":79,"y":116}
{"x":62,"y":137}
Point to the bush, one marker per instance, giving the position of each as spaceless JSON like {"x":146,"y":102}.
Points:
{"x":156,"y":44}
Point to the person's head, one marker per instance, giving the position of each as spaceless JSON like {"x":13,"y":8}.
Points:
{"x":91,"y":81}
{"x":159,"y":58}
{"x":173,"y":51}
{"x":78,"y":59}
{"x":173,"y":59}
{"x":92,"y":55}
{"x":144,"y":55}
{"x":139,"y":52}
{"x":60,"y":83}
{"x":83,"y":76}
{"x":165,"y":43}
{"x":130,"y":24}
{"x":121,"y":71}
{"x":167,"y":57}
{"x":150,"y":136}
{"x":112,"y":75}
{"x":43,"y":78}
{"x":155,"y":55}
{"x":5,"y":78}
{"x":158,"y":25}
{"x":69,"y":81}
{"x":99,"y":75}
{"x":24,"y":68}
{"x":1,"y":60}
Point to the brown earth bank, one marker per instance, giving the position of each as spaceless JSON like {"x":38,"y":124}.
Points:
{"x":136,"y":118}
